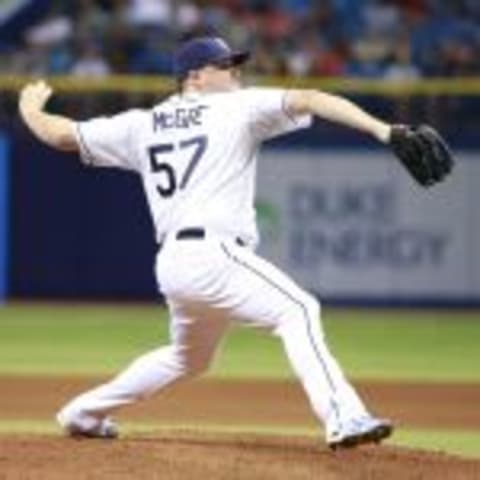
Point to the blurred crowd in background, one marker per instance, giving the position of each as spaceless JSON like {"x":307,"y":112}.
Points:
{"x":395,"y":39}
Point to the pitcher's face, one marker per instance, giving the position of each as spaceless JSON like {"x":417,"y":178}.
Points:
{"x":218,"y":77}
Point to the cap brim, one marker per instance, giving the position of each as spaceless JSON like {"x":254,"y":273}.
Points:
{"x":239,"y":58}
{"x":234,"y":59}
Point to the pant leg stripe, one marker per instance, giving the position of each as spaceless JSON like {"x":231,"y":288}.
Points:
{"x":304,"y":311}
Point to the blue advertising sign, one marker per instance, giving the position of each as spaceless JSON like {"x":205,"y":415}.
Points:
{"x":3,"y":216}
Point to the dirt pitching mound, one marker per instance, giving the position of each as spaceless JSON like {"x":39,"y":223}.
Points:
{"x":191,"y":455}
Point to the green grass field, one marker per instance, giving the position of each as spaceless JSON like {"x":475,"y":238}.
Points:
{"x":383,"y":345}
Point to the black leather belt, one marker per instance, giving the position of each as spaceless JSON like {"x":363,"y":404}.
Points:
{"x":191,"y":232}
{"x":198,"y":233}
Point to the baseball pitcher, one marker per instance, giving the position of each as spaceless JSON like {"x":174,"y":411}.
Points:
{"x":196,"y":153}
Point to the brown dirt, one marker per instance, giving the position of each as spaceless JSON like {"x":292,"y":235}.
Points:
{"x":196,"y":454}
{"x":251,"y":402}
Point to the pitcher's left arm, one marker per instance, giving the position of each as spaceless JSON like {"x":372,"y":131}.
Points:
{"x":422,"y":150}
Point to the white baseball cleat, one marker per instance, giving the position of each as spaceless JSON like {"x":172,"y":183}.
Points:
{"x":105,"y":429}
{"x":360,"y":431}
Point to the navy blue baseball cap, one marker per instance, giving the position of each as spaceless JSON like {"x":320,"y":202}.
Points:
{"x":202,"y":51}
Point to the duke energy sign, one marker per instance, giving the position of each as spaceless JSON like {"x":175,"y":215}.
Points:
{"x":354,"y":225}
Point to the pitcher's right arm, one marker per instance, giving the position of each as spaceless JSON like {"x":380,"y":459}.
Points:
{"x":54,"y":130}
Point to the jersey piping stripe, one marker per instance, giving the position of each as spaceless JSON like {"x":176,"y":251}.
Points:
{"x":305,"y":314}
{"x":86,"y":151}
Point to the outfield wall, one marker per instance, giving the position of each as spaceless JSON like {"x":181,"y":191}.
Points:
{"x":349,"y":224}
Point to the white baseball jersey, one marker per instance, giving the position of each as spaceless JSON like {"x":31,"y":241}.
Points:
{"x":196,"y":154}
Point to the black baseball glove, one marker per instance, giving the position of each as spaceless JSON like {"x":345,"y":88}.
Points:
{"x":423,"y":152}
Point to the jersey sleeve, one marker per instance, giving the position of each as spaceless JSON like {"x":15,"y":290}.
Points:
{"x":109,"y":141}
{"x":267,"y":115}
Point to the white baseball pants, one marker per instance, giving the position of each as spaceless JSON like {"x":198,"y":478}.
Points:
{"x":208,"y":283}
